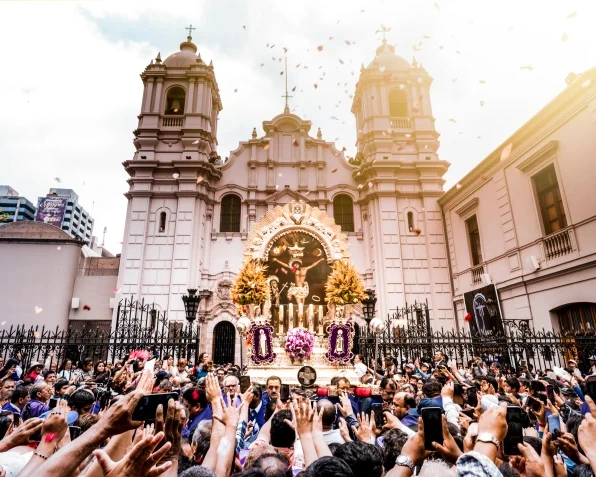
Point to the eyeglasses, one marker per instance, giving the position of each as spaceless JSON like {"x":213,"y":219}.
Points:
{"x":230,"y":386}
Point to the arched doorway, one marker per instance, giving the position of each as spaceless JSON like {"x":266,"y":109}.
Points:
{"x":224,"y":343}
{"x":356,"y":344}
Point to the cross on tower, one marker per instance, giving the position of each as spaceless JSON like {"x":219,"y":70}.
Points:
{"x":286,"y":96}
{"x":190,"y":29}
{"x":384,"y":29}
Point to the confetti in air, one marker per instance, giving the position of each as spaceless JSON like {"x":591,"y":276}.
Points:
{"x":196,"y":142}
{"x":38,"y":310}
{"x":458,"y":186}
{"x":59,"y":248}
{"x":320,"y":47}
{"x":117,"y":290}
{"x":175,"y":175}
{"x":564,"y":37}
{"x":586,"y":83}
{"x":3,"y":323}
{"x":506,"y":152}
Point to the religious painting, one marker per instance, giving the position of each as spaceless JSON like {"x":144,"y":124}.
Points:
{"x":298,"y":270}
{"x":261,"y":339}
{"x":340,"y":342}
{"x":483,"y":305}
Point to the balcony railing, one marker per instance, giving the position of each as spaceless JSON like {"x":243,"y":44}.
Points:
{"x":400,"y":123}
{"x":477,"y":273}
{"x":176,"y":122}
{"x":558,"y":244}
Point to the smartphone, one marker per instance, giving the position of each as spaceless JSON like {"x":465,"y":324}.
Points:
{"x":473,"y":397}
{"x":53,"y":403}
{"x":591,"y":387}
{"x":433,"y":428}
{"x":515,"y":432}
{"x":244,"y":384}
{"x":377,"y":410}
{"x":534,"y":404}
{"x":469,"y":413}
{"x":16,"y":419}
{"x":147,"y":406}
{"x":458,"y":389}
{"x":284,"y":394}
{"x":75,"y":431}
{"x":554,"y":425}
{"x":550,"y":393}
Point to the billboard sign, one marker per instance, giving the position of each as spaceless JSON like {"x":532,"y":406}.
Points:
{"x":483,"y":305}
{"x":50,"y":210}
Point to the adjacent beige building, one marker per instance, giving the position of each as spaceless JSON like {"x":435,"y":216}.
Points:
{"x":525,"y":217}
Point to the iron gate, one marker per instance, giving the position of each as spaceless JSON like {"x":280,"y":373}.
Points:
{"x":224,"y":343}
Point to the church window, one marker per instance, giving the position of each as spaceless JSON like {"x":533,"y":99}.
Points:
{"x":224,"y":343}
{"x":175,"y":100}
{"x":230,"y":214}
{"x":474,"y":239}
{"x":162,"y":222}
{"x":343,"y":212}
{"x":549,"y":200}
{"x":577,"y":317}
{"x":398,"y":104}
{"x":410,"y":222}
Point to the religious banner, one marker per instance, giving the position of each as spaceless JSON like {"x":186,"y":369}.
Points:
{"x":483,"y":306}
{"x":50,"y":210}
{"x":261,"y":337}
{"x":340,"y":338}
{"x":307,"y":376}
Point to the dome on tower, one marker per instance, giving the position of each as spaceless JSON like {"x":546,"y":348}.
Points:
{"x":185,"y":57}
{"x":387,"y":58}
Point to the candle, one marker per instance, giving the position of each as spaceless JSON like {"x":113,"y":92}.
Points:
{"x":300,"y":309}
{"x":291,"y":315}
{"x":321,"y":320}
{"x":311,"y":317}
{"x":281,"y":319}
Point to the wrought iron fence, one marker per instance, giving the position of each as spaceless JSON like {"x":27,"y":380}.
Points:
{"x":408,"y":335}
{"x":138,"y":326}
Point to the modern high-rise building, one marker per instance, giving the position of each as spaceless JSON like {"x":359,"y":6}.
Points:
{"x":13,"y":207}
{"x":61,"y":208}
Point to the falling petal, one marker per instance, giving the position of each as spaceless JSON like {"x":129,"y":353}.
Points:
{"x":527,"y":67}
{"x":175,"y":175}
{"x":262,"y":64}
{"x":3,"y":323}
{"x":419,"y":80}
{"x":482,"y":81}
{"x":117,"y":290}
{"x":199,"y":180}
{"x":426,"y":37}
{"x":57,"y":179}
{"x":196,"y":142}
{"x":320,"y":47}
{"x":454,"y":80}
{"x":38,"y":310}
{"x":59,"y":248}
{"x":572,"y":15}
{"x":334,"y":171}
{"x":564,"y":37}
{"x":481,"y":103}
{"x":436,"y":5}
{"x":458,"y":186}
{"x":266,"y":147}
{"x":382,"y":69}
{"x":506,"y":152}
{"x":451,"y":120}
{"x":586,"y":83}
{"x":86,"y":308}
{"x":244,"y":26}
{"x":316,"y":85}
{"x":236,"y":90}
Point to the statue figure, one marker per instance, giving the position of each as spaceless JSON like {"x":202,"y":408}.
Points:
{"x":339,"y":342}
{"x":263,"y":348}
{"x":299,"y":289}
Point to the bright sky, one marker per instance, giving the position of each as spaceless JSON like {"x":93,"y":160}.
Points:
{"x":70,"y":89}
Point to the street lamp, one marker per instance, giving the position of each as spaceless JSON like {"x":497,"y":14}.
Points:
{"x":191,"y":304}
{"x":377,"y":326}
{"x":368,"y":305}
{"x":242,"y":326}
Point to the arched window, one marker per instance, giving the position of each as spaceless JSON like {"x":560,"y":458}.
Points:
{"x":343,"y":212}
{"x":162,"y":222}
{"x":175,"y":101}
{"x":224,"y":343}
{"x":398,"y":104}
{"x":230,"y":214}
{"x":410,"y":222}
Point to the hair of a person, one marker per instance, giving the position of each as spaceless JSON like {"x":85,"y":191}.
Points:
{"x":432,"y":389}
{"x":47,"y":372}
{"x":86,"y":421}
{"x":327,"y":466}
{"x":95,"y":371}
{"x":273,"y":378}
{"x":10,"y":362}
{"x":273,"y":465}
{"x":507,"y":471}
{"x":5,"y":422}
{"x":6,"y":396}
{"x":257,"y":391}
{"x":85,"y":362}
{"x":60,"y":383}
{"x":282,"y":435}
{"x":81,"y":398}
{"x":165,"y":386}
{"x":363,"y":458}
{"x":255,"y":452}
{"x":535,"y":442}
{"x":393,"y":442}
{"x":388,"y":381}
{"x":492,"y":381}
{"x":196,"y":396}
{"x":583,"y":470}
{"x":410,"y":400}
{"x":435,"y":468}
{"x":198,"y":471}
{"x":201,"y":439}
{"x":333,"y":446}
{"x":36,"y":388}
{"x":513,"y":383}
{"x":18,"y":393}
{"x":328,"y":412}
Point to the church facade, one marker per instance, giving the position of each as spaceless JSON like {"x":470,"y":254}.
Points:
{"x":190,"y":213}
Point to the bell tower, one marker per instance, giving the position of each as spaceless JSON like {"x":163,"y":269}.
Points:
{"x":170,"y":201}
{"x":400,"y":178}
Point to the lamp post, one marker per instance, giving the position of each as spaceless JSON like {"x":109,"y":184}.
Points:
{"x":242,"y":326}
{"x":368,"y":305}
{"x":377,"y":326}
{"x":191,"y":307}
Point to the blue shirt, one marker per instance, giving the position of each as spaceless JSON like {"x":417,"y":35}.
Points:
{"x":257,"y":416}
{"x":204,"y":415}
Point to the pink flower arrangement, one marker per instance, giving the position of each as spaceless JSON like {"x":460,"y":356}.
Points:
{"x":140,"y":354}
{"x":299,"y":343}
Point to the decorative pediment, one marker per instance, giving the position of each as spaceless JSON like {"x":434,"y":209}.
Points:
{"x":286,"y":122}
{"x":468,"y":207}
{"x":279,"y":196}
{"x":297,"y":216}
{"x":539,"y":156}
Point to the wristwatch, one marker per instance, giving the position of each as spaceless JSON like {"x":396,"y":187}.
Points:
{"x":404,"y":461}
{"x":488,"y":438}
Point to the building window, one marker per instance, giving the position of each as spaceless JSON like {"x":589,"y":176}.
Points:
{"x":343,"y":212}
{"x":577,"y":317}
{"x":410,"y":221}
{"x":474,"y":239}
{"x":224,"y":343}
{"x":162,"y":222}
{"x":398,"y":104}
{"x":549,"y":200}
{"x":230,"y":214}
{"x":175,"y":100}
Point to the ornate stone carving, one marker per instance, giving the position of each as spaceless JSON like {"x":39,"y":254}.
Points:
{"x":292,"y":217}
{"x":223,"y":290}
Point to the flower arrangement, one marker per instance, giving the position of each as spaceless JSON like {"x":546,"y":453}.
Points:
{"x":344,"y":286}
{"x":250,"y":286}
{"x":299,"y":343}
{"x":140,"y":354}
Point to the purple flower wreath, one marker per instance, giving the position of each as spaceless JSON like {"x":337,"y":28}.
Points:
{"x":299,"y":343}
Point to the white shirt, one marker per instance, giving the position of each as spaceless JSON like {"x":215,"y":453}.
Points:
{"x":360,"y":369}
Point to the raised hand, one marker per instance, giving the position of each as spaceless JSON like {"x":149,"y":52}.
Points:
{"x":55,"y":425}
{"x":366,"y":428}
{"x":317,"y":419}
{"x":529,"y":463}
{"x":118,"y":417}
{"x":414,"y":446}
{"x":343,"y":430}
{"x":212,"y":389}
{"x":172,"y":426}
{"x":449,"y":449}
{"x":21,"y":435}
{"x":345,"y":408}
{"x":140,"y":461}
{"x":303,"y":418}
{"x":230,"y":412}
{"x":569,"y":447}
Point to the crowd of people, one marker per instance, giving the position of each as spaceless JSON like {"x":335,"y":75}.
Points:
{"x":78,"y":418}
